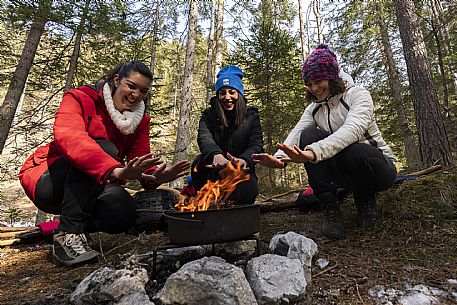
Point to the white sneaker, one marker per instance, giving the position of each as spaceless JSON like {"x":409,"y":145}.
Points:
{"x":70,"y":249}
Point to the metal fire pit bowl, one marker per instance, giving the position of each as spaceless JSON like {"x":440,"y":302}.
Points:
{"x":213,"y":226}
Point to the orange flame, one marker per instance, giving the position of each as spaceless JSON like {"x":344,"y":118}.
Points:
{"x":214,"y":193}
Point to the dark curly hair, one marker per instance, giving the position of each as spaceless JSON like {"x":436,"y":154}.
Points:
{"x":335,"y":86}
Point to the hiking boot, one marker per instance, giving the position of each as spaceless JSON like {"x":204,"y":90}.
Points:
{"x":70,"y":249}
{"x":366,"y":211}
{"x":332,"y":227}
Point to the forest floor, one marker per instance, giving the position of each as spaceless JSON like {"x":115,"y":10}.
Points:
{"x":414,"y":240}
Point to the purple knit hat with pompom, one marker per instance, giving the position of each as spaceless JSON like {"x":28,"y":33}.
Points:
{"x":321,"y":64}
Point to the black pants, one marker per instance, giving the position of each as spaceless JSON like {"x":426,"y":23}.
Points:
{"x":83,"y":204}
{"x":359,"y":168}
{"x":244,"y":193}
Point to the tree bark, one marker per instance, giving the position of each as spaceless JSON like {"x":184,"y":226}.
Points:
{"x":183,"y":134}
{"x":319,"y":23}
{"x":433,"y":142}
{"x":219,"y":35}
{"x":77,"y":47}
{"x":155,"y":38}
{"x":302,"y":30}
{"x":411,"y":151}
{"x":209,"y":56}
{"x":20,"y":75}
{"x":442,"y":52}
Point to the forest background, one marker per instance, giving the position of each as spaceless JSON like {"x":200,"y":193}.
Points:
{"x":403,"y":51}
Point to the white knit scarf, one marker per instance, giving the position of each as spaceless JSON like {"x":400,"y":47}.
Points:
{"x":126,"y":121}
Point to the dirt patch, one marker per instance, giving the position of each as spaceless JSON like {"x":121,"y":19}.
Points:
{"x":415,"y":240}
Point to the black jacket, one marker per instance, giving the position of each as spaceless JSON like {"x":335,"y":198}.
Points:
{"x":240,"y":141}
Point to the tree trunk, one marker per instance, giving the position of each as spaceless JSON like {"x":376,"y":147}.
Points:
{"x":411,"y":151}
{"x":155,"y":38}
{"x":209,"y":56}
{"x":219,"y":35}
{"x":183,"y":134}
{"x":442,"y":52}
{"x":319,"y":23}
{"x":77,"y":47}
{"x":446,"y":42}
{"x":20,"y":75}
{"x":433,"y":142}
{"x":302,"y":29}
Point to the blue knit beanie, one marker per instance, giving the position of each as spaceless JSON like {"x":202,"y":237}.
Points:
{"x":230,"y":76}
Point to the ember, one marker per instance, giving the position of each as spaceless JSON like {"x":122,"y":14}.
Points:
{"x":215,"y":194}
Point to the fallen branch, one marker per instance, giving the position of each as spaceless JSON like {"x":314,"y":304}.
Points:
{"x":14,"y":229}
{"x":429,"y":170}
{"x":280,"y":195}
{"x":324,"y":271}
{"x":20,"y":233}
{"x":276,"y":207}
{"x":9,"y":242}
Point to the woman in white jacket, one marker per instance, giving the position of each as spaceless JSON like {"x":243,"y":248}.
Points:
{"x":338,"y":141}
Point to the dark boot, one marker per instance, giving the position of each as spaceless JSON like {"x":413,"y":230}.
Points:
{"x":333,"y":225}
{"x":366,"y":210}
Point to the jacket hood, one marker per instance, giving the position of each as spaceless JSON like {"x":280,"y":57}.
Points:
{"x":347,"y":78}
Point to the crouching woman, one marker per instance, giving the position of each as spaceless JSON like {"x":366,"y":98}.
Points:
{"x":101,"y":139}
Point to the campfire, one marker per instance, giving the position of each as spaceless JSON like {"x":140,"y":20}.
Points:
{"x":213,"y":195}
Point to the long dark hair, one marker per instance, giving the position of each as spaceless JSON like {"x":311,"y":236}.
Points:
{"x":124,"y":70}
{"x":240,"y":111}
{"x":335,"y":87}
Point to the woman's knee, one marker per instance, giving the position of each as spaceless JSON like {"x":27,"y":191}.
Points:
{"x":115,"y":210}
{"x":246,"y":192}
{"x":310,"y":135}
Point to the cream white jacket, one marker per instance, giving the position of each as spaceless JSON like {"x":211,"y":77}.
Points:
{"x":348,"y":117}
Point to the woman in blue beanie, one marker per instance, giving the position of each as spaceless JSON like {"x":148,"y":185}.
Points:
{"x":228,"y":131}
{"x":338,"y":141}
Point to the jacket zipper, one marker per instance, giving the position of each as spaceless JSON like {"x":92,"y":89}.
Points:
{"x":328,"y":118}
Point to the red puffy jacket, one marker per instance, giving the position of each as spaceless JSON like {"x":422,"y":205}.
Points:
{"x":76,"y":125}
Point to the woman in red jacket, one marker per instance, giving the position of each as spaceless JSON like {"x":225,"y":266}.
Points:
{"x":79,"y":174}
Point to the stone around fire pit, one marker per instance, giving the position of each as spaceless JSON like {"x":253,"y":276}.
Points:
{"x":109,"y":286}
{"x":209,"y":280}
{"x":294,"y":245}
{"x":276,"y":279}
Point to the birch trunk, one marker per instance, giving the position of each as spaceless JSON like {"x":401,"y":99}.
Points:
{"x":18,"y":80}
{"x":219,"y":35}
{"x":77,"y":47}
{"x":433,"y":141}
{"x":319,"y":23}
{"x":302,"y":33}
{"x":209,"y":56}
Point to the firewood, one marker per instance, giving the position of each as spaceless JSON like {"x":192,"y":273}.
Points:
{"x":15,"y":229}
{"x":9,"y":242}
{"x":19,"y":234}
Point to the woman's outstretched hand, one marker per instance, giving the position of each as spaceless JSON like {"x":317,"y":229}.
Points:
{"x":164,"y":174}
{"x":135,"y":167}
{"x":219,"y":161}
{"x":268,"y":160}
{"x":242,"y":162}
{"x":295,"y":154}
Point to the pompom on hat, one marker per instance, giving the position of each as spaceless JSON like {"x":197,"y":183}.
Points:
{"x":320,"y":64}
{"x":230,"y":76}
